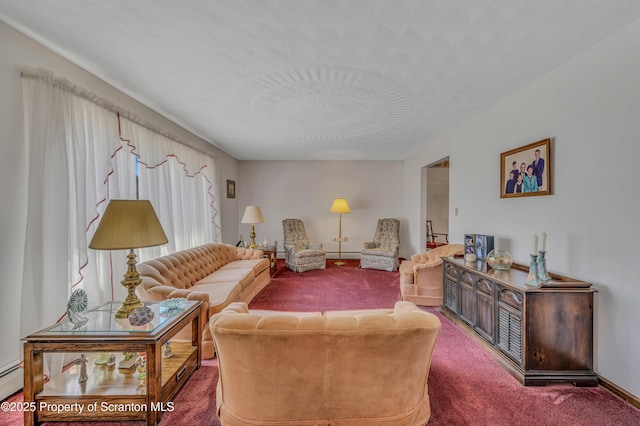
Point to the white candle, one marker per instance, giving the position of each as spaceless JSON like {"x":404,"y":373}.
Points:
{"x":534,"y":245}
{"x":543,"y":241}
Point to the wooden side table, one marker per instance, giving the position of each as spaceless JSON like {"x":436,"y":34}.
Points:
{"x":110,"y":393}
{"x":271,"y":253}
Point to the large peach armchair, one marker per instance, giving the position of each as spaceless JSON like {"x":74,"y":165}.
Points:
{"x":367,"y":367}
{"x":421,"y":277}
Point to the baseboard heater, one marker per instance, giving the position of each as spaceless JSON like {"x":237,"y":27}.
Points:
{"x":9,"y":368}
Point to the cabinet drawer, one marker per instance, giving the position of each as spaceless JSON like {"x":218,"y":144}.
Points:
{"x":511,"y":298}
{"x":485,"y":286}
{"x":451,"y":271}
{"x":467,"y":278}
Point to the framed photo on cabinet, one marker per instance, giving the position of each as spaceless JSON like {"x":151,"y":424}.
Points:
{"x":526,"y":171}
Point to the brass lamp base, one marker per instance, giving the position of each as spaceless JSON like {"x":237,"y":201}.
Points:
{"x":253,"y":245}
{"x":339,"y":263}
{"x":130,"y":282}
{"x":126,"y":308}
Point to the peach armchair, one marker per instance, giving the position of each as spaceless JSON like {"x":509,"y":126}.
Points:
{"x":421,"y":277}
{"x":362,"y":367}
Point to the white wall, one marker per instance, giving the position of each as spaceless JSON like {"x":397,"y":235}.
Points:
{"x":18,"y":50}
{"x":306,"y":189}
{"x":590,"y":106}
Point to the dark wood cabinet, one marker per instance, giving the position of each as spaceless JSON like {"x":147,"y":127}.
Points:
{"x":541,"y":334}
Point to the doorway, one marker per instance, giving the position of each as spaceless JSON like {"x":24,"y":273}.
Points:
{"x":437,"y":204}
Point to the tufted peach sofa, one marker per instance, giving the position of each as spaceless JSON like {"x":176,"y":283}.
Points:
{"x":421,"y":277}
{"x":216,"y":274}
{"x":362,"y":367}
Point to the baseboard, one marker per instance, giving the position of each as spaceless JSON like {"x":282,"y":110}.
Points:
{"x":618,"y":391}
{"x":11,"y":383}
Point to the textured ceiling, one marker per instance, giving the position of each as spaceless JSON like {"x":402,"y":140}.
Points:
{"x":323,"y":79}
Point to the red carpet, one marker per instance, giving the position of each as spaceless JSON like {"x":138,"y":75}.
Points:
{"x":466,"y":386}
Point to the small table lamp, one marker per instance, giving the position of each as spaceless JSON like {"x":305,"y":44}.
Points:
{"x":128,"y":224}
{"x":252,"y":215}
{"x":340,"y":206}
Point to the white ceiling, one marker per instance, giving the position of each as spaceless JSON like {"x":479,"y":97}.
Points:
{"x":319,"y":79}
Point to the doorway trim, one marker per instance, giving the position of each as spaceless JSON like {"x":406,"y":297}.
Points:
{"x":424,"y":188}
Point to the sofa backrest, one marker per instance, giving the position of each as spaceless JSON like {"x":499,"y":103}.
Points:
{"x":438,"y":252}
{"x":289,"y":368}
{"x":184,"y":268}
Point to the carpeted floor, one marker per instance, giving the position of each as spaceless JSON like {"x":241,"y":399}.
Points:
{"x":466,"y":386}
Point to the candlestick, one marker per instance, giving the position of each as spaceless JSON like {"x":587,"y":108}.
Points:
{"x":534,"y":245}
{"x":543,"y":242}
{"x":532,"y":278}
{"x":543,"y":275}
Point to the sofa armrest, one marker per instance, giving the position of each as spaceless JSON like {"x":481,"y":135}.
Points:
{"x":314,"y":246}
{"x":402,"y":306}
{"x":369,"y":245}
{"x":425,"y":277}
{"x":243,"y":253}
{"x":427,"y":265}
{"x":290,"y":250}
{"x":423,"y":257}
{"x":164,"y":292}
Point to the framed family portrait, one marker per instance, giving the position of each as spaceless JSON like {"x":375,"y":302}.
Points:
{"x":526,"y":171}
{"x":231,"y":188}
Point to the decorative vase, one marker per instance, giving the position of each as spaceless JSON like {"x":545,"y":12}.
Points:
{"x":500,"y":260}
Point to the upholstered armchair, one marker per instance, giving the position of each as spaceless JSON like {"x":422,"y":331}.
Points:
{"x":359,"y":367}
{"x":382,"y":253}
{"x":421,"y":277}
{"x":299,"y":254}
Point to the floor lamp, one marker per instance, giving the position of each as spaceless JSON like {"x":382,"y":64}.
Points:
{"x":340,"y":206}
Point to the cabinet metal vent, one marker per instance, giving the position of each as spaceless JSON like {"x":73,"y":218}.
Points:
{"x":510,"y":333}
{"x":451,"y":295}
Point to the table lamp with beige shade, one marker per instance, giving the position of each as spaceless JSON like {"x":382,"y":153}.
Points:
{"x":340,"y":206}
{"x":128,"y":225}
{"x":252,"y":215}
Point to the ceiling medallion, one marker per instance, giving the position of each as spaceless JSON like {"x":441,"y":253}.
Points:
{"x":321,"y":103}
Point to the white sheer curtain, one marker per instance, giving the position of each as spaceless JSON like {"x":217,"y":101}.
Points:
{"x":69,"y":146}
{"x":81,"y":154}
{"x":180,"y":183}
{"x":69,"y":143}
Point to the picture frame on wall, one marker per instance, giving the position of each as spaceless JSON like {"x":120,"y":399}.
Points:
{"x":526,"y":171}
{"x":231,"y":188}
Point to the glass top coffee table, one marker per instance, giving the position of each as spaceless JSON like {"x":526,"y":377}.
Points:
{"x":138,"y":392}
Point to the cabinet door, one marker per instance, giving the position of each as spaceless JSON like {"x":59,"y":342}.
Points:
{"x":509,"y":338}
{"x":450,"y":287}
{"x":484,"y":309}
{"x":559,"y":331}
{"x":467,"y":299}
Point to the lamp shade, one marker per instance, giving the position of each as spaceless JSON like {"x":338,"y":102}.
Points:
{"x":340,"y":206}
{"x":128,"y":224}
{"x":252,"y":214}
